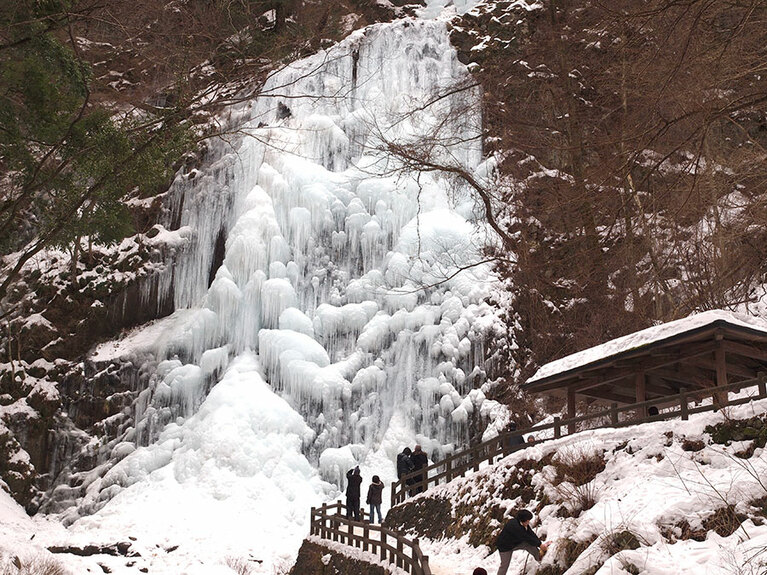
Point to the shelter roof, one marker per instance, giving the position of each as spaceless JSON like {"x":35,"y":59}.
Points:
{"x":658,"y":347}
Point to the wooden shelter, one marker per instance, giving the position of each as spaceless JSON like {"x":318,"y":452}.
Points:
{"x":701,"y":351}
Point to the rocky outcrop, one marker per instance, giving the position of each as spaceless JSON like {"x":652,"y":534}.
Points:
{"x":314,"y":559}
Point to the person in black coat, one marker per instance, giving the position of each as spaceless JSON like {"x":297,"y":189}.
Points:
{"x":515,"y":440}
{"x":353,"y":483}
{"x":517,"y":534}
{"x":420,"y":460}
{"x":374,"y":498}
{"x":404,"y":463}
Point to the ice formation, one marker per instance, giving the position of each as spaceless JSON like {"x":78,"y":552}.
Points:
{"x":319,"y":269}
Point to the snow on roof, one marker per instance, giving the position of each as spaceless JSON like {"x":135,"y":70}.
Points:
{"x":656,"y":333}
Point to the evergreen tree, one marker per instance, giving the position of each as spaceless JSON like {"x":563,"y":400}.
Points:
{"x":69,"y":162}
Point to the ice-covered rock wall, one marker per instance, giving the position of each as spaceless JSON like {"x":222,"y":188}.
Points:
{"x":345,"y":280}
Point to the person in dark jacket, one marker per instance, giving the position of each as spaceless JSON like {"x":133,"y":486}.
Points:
{"x":404,"y":463}
{"x":353,"y":482}
{"x":374,"y":498}
{"x":517,"y":534}
{"x":420,"y":460}
{"x":515,"y":440}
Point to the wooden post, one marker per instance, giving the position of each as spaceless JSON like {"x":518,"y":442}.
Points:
{"x":393,"y":497}
{"x":365,"y":536}
{"x":557,"y":428}
{"x":683,"y":404}
{"x":312,"y":525}
{"x":641,"y":392}
{"x":449,"y":469}
{"x":762,"y":386}
{"x":571,"y":409}
{"x":720,"y":398}
{"x":383,"y":545}
{"x":426,"y":570}
{"x":400,"y":553}
{"x":614,"y":413}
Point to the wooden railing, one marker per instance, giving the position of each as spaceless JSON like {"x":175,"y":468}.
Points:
{"x":458,"y":464}
{"x":329,"y":522}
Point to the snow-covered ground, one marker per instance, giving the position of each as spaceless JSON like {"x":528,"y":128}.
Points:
{"x":650,"y":484}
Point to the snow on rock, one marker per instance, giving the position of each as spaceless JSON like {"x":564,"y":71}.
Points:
{"x":238,"y":459}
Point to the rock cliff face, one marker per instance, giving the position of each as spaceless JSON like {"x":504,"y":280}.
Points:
{"x":58,"y":411}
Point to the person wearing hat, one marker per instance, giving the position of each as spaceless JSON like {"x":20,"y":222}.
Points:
{"x":420,"y":461}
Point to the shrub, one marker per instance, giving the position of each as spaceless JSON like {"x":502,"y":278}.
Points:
{"x":631,"y":568}
{"x":574,"y":481}
{"x":760,"y":505}
{"x":571,"y":550}
{"x":239,"y":565}
{"x":726,"y":432}
{"x":577,"y":466}
{"x":724,"y":521}
{"x":37,"y":565}
{"x":618,"y":541}
{"x":683,"y":531}
{"x":692,"y":444}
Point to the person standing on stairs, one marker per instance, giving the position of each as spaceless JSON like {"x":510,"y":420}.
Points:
{"x":404,"y":463}
{"x":374,"y":498}
{"x":517,"y":534}
{"x":420,"y":461}
{"x":353,"y":483}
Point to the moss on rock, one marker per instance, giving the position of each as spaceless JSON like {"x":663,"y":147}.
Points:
{"x":427,"y":516}
{"x":314,"y":559}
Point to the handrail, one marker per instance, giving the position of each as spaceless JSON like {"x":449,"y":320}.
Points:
{"x":390,"y":545}
{"x":458,"y":464}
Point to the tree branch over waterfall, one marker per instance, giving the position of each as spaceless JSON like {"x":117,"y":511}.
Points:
{"x":414,"y":159}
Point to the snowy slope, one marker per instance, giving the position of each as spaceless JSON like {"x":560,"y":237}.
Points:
{"x":658,"y":482}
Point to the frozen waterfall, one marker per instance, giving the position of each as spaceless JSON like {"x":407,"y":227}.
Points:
{"x":327,"y":308}
{"x":337,"y":265}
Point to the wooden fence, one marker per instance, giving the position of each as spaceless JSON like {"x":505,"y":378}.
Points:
{"x":458,"y":464}
{"x":329,"y":522}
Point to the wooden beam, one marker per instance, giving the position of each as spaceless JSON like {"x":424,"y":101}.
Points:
{"x":609,"y":396}
{"x":570,"y":409}
{"x":686,"y":376}
{"x":720,"y":399}
{"x":732,"y":368}
{"x":745,"y":350}
{"x":721,"y":366}
{"x":659,"y":382}
{"x":641,"y":391}
{"x":629,"y":386}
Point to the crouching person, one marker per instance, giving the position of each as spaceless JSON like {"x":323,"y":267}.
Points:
{"x":517,"y":534}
